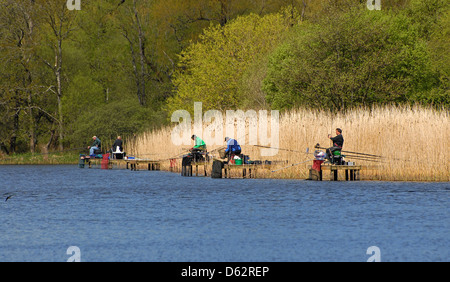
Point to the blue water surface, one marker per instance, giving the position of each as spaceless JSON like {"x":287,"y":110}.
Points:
{"x":122,"y":215}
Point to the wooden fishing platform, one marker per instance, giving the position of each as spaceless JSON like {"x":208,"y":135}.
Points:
{"x":149,"y":164}
{"x":189,"y":169}
{"x":352,"y":172}
{"x":232,"y":169}
{"x":200,"y":168}
{"x":132,"y":164}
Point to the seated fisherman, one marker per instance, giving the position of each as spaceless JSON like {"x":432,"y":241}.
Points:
{"x":96,"y":145}
{"x":338,"y":142}
{"x":117,"y":149}
{"x":199,"y":146}
{"x":233,"y":148}
{"x":117,"y":143}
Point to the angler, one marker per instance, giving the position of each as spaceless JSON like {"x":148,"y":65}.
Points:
{"x":338,"y":143}
{"x":199,"y":148}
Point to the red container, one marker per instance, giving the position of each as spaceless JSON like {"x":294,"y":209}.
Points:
{"x":105,"y":161}
{"x":317,"y":165}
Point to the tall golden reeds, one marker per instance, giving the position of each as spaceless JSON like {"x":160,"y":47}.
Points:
{"x":413,"y":141}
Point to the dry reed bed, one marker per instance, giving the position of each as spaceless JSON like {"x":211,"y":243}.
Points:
{"x":414,"y":142}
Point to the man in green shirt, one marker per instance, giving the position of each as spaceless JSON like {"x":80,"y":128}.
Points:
{"x":199,"y":144}
{"x":198,"y":149}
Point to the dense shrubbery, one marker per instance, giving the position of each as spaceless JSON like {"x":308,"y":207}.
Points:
{"x":359,"y":57}
{"x":211,"y":70}
{"x":348,"y":57}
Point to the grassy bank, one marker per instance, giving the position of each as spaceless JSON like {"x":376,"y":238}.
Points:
{"x":413,"y":141}
{"x":40,"y":159}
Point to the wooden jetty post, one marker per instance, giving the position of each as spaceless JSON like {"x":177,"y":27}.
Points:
{"x":228,"y":168}
{"x":133,"y":164}
{"x":222,"y":169}
{"x":352,"y":172}
{"x":188,"y":170}
{"x":243,"y":169}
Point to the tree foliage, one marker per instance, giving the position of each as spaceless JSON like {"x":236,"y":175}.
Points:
{"x":211,"y":70}
{"x":358,"y":57}
{"x":121,"y":67}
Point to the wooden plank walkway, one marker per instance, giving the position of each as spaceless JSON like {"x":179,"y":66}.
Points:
{"x":243,"y":169}
{"x":133,"y":164}
{"x":229,"y":170}
{"x":189,"y":169}
{"x":351,"y":172}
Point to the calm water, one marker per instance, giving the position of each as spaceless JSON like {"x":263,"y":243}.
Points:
{"x":122,"y":215}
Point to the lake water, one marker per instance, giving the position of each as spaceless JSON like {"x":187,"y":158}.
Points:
{"x":122,"y":215}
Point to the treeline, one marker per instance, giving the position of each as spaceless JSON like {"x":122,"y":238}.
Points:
{"x":120,"y":67}
{"x":345,"y":56}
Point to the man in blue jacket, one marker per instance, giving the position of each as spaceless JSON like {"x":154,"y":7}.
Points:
{"x":233,"y":147}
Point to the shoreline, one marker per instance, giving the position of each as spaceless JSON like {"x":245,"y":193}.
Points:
{"x":264,"y":174}
{"x":40,"y":159}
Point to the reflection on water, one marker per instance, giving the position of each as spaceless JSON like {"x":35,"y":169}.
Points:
{"x":121,"y":215}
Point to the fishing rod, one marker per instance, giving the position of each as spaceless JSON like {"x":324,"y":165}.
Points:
{"x":358,"y":156}
{"x":217,"y":149}
{"x":368,"y":156}
{"x":179,"y":155}
{"x":292,"y":165}
{"x":363,"y":154}
{"x":188,"y":150}
{"x":364,"y":159}
{"x":281,"y":149}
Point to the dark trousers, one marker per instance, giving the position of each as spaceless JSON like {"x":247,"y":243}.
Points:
{"x":197,"y":154}
{"x":331,"y":150}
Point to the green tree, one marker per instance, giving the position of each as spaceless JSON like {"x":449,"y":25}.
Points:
{"x":57,"y":25}
{"x":19,"y":82}
{"x":211,"y":70}
{"x":350,"y":58}
{"x":431,"y":21}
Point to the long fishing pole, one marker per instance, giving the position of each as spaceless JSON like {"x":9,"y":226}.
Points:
{"x":217,"y":149}
{"x":281,"y":149}
{"x":292,"y":165}
{"x":368,"y":156}
{"x":363,"y":154}
{"x":364,"y":159}
{"x":358,"y":156}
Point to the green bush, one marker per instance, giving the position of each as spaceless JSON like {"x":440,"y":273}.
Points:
{"x":356,"y":58}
